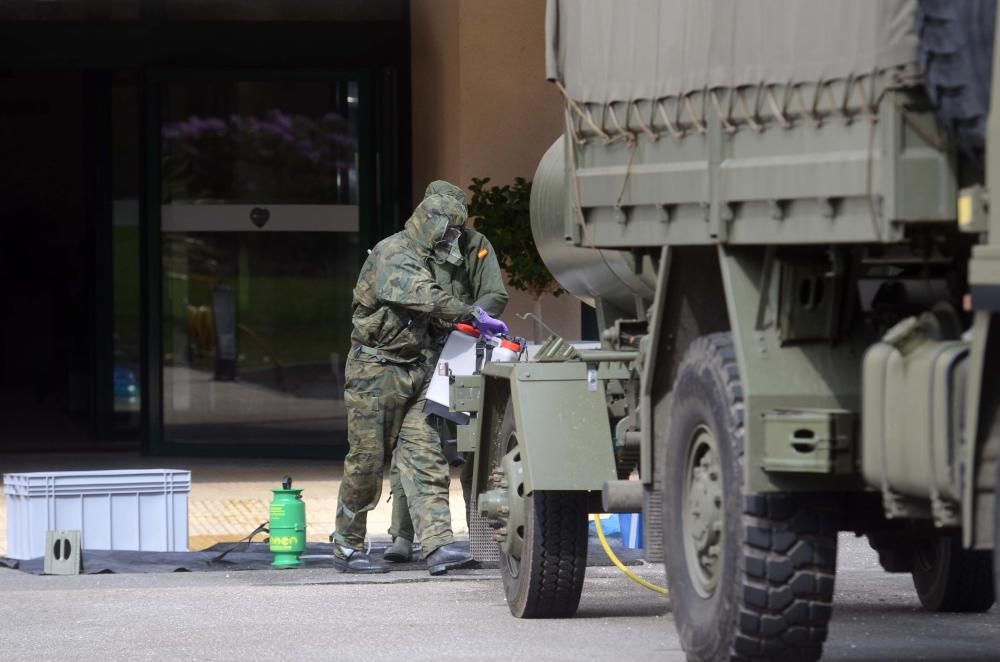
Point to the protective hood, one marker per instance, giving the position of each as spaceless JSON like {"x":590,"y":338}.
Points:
{"x":441,"y":187}
{"x":430,"y":220}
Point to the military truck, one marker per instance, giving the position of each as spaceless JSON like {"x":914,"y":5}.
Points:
{"x":780,"y":211}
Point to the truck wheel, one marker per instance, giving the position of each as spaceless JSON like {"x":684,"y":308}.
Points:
{"x":950,"y":578}
{"x":750,"y":575}
{"x":543,"y":555}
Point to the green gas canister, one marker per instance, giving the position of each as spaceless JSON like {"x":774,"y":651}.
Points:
{"x":288,"y":526}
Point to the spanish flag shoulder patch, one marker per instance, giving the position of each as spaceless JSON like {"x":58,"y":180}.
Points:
{"x":482,"y":253}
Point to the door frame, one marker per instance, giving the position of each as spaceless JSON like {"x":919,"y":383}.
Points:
{"x":371,"y":173}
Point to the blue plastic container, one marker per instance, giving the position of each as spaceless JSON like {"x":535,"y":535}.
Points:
{"x":631,"y":529}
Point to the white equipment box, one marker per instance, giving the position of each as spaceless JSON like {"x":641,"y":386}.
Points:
{"x":458,"y":357}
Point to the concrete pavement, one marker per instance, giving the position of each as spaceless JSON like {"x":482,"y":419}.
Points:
{"x":316,"y":613}
{"x":404,"y":615}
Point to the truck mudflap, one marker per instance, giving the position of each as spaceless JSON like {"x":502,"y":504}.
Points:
{"x":562,"y":419}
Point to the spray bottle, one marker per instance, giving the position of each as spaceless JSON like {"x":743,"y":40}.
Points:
{"x":288,"y":525}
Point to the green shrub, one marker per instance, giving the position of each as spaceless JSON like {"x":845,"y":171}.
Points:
{"x":502,"y":215}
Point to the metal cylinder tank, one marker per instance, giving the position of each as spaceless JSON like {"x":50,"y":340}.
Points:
{"x":587,"y":273}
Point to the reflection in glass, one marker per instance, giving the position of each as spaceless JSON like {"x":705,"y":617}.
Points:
{"x":256,"y":322}
{"x":232,"y":144}
{"x":125,"y":251}
{"x":256,"y":332}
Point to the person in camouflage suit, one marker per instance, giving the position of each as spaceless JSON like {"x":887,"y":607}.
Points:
{"x":471,"y":273}
{"x":396,"y":300}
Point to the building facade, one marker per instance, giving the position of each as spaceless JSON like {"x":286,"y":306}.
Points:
{"x":190,"y":187}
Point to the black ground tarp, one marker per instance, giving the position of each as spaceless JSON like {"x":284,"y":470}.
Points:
{"x":255,"y":556}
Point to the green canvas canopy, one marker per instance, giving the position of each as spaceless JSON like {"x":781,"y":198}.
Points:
{"x":629,"y":50}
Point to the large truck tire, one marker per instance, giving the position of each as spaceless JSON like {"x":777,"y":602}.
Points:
{"x":543,"y":572}
{"x":950,"y":578}
{"x":751,"y":575}
{"x":955,"y":51}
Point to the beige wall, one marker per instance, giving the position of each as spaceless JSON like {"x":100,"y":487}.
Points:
{"x":482,"y":108}
{"x":435,"y":74}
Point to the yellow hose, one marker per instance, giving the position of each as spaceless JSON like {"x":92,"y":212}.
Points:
{"x":621,"y":566}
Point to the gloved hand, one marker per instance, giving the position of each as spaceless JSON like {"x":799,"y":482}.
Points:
{"x":489,"y":326}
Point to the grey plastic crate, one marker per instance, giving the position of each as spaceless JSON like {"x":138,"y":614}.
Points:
{"x":140,"y":509}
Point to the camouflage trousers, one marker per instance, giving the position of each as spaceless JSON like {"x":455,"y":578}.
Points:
{"x":385,"y":403}
{"x":401,"y":525}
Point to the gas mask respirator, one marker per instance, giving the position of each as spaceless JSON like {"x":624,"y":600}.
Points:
{"x":447,"y":245}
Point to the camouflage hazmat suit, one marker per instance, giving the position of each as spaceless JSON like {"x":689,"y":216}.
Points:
{"x":395,"y":301}
{"x":471,"y":273}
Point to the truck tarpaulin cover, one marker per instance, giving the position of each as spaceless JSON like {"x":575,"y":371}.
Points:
{"x":629,"y":50}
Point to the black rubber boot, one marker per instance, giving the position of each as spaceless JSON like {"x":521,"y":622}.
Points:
{"x":353,"y":561}
{"x":400,"y":551}
{"x":448,"y":557}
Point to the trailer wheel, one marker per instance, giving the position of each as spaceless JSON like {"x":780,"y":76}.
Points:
{"x":543,"y":554}
{"x":950,"y":578}
{"x":750,"y":575}
{"x":894,"y":549}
